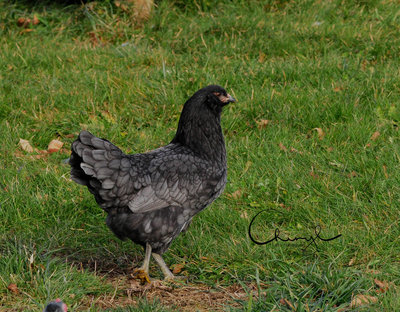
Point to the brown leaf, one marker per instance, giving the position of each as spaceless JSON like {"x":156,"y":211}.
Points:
{"x":261,"y":57}
{"x":70,"y":136}
{"x":382,"y":285}
{"x":282,"y":205}
{"x":337,"y":89}
{"x":282,"y":147}
{"x":244,"y":215}
{"x":375,"y":135}
{"x":54,"y":146}
{"x":35,"y":20}
{"x":284,"y":301}
{"x":352,"y":174}
{"x":351,"y":262}
{"x":178,"y":268}
{"x":321,"y":133}
{"x":361,"y":300}
{"x":293,"y":150}
{"x":385,"y":171}
{"x":27,"y":30}
{"x":262,"y":123}
{"x":25,"y":145}
{"x":23,"y":22}
{"x":13,"y":288}
{"x":236,"y":194}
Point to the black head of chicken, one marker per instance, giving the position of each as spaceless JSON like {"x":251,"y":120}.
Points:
{"x":56,"y":306}
{"x":199,"y":125}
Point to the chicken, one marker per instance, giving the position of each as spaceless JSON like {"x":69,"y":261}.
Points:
{"x":150,"y":198}
{"x":56,"y":306}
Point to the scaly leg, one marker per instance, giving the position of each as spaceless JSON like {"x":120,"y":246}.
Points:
{"x":143,"y":272}
{"x":164,"y":268}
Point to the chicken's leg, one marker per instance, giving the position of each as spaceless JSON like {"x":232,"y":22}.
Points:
{"x":143,"y":272}
{"x":164,"y":268}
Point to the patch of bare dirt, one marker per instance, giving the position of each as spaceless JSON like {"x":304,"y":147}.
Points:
{"x":180,"y":296}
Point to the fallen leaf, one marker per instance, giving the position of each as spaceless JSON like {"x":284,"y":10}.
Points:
{"x":23,"y":22}
{"x":25,"y":145}
{"x":282,"y":147}
{"x":293,"y":150}
{"x":375,"y":135}
{"x":108,"y":117}
{"x":282,"y":205}
{"x":361,"y":300}
{"x":262,"y":123}
{"x":337,"y":89}
{"x":236,"y":194}
{"x":284,"y":301}
{"x":351,"y":262}
{"x":54,"y":146}
{"x":352,"y":174}
{"x":244,"y":215}
{"x":385,"y":171}
{"x":321,"y":133}
{"x":27,"y":30}
{"x":382,"y":285}
{"x":35,"y":20}
{"x":70,"y":136}
{"x":261,"y":57}
{"x":13,"y":288}
{"x":178,"y":268}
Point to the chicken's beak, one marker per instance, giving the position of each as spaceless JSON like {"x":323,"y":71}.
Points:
{"x":231,"y":99}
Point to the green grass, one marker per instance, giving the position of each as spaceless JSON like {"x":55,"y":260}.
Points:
{"x":301,"y":65}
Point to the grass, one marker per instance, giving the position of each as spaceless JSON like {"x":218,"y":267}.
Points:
{"x":301,"y":65}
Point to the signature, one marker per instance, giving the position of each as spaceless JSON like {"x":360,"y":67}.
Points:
{"x":277,"y":236}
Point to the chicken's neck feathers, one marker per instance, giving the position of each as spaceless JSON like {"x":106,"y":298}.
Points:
{"x":203,"y":135}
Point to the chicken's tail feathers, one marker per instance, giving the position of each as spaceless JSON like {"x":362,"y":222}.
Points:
{"x":93,"y":163}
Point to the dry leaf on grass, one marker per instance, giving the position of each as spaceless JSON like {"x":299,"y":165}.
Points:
{"x":375,"y":135}
{"x":244,"y":215}
{"x":282,"y":147}
{"x":385,"y":171}
{"x":25,"y":145}
{"x":35,"y":20}
{"x":293,"y":150}
{"x":54,"y":146}
{"x":382,"y":285}
{"x":320,"y":132}
{"x":262,"y":123}
{"x":13,"y":288}
{"x":361,"y":300}
{"x":177,"y":268}
{"x":236,"y":194}
{"x":27,"y":30}
{"x":284,"y":301}
{"x":314,"y":175}
{"x":352,"y":174}
{"x":23,"y":22}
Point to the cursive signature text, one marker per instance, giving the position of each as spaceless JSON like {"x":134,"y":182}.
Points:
{"x":277,"y":236}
